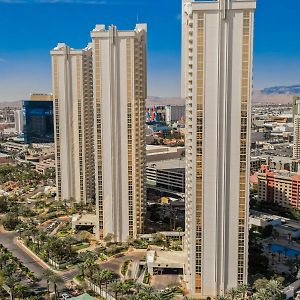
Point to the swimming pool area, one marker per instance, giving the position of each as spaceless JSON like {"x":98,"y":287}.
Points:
{"x":276,"y":248}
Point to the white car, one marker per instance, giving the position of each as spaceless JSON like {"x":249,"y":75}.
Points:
{"x":65,"y":296}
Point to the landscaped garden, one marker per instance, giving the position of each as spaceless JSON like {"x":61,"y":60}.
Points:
{"x":59,"y":252}
{"x":101,"y":280}
{"x":15,"y":278}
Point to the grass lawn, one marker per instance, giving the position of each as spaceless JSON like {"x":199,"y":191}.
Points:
{"x":80,"y":246}
{"x":64,"y":233}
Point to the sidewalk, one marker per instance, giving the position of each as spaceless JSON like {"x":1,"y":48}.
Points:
{"x":43,"y":264}
{"x":36,"y":258}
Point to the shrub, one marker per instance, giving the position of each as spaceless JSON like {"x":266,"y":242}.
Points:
{"x":124,"y":267}
{"x":10,"y":222}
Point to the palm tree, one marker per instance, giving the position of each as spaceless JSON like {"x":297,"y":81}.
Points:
{"x":100,"y":277}
{"x":109,"y":238}
{"x":179,"y":230}
{"x":47,"y":275}
{"x":80,"y":268}
{"x":125,"y":287}
{"x":147,"y":292}
{"x":20,"y":290}
{"x":116,"y":288}
{"x":11,"y":282}
{"x":159,"y":296}
{"x":274,"y":287}
{"x":42,"y":238}
{"x":132,"y":297}
{"x":222,"y":297}
{"x":55,"y":280}
{"x":89,"y":265}
{"x":262,"y":294}
{"x":138,"y":286}
{"x":3,"y":259}
{"x":2,"y":278}
{"x":10,"y":268}
{"x":243,"y":290}
{"x":108,"y":276}
{"x":260,"y":283}
{"x":233,"y":293}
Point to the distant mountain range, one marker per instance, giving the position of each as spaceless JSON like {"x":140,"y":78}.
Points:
{"x":154,"y":101}
{"x":276,"y":94}
{"x":11,"y":104}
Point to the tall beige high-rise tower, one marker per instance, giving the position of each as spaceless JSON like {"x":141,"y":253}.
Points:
{"x":217,"y":43}
{"x":120,"y":81}
{"x":296,"y":114}
{"x":72,"y":75}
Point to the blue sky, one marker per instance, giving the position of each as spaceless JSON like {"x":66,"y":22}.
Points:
{"x":30,"y":28}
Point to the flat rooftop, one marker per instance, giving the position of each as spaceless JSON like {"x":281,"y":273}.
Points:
{"x":169,"y":257}
{"x":263,"y":216}
{"x":154,"y":149}
{"x":176,"y":165}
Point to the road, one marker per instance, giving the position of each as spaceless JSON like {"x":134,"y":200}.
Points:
{"x":8,"y":240}
{"x":114,"y":264}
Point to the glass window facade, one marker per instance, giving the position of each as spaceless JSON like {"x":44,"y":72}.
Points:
{"x":38,"y":122}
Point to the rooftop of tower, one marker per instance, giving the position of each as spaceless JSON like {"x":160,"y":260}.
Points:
{"x":102,"y":27}
{"x":207,"y":1}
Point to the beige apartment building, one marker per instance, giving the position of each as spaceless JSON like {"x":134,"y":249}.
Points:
{"x":217,"y":51}
{"x":41,"y":97}
{"x":120,"y":89}
{"x":281,"y":187}
{"x":296,"y":115}
{"x":72,"y":75}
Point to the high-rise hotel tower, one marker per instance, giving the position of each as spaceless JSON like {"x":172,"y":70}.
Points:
{"x":73,"y":105}
{"x":119,"y":62}
{"x":296,"y":115}
{"x":217,"y":41}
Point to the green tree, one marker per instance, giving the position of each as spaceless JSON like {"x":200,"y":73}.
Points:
{"x":3,"y":205}
{"x":222,"y":297}
{"x":81,"y":268}
{"x":263,"y":294}
{"x":233,"y":293}
{"x":100,"y":277}
{"x":260,"y":283}
{"x":47,"y":275}
{"x":55,"y":280}
{"x":21,"y":290}
{"x":243,"y":290}
{"x":89,"y":265}
{"x":138,"y":286}
{"x":108,"y":276}
{"x":11,"y":282}
{"x":10,"y":221}
{"x":109,"y":238}
{"x":274,"y":287}
{"x":116,"y":288}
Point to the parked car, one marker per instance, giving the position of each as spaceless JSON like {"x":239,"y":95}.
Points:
{"x":65,"y":296}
